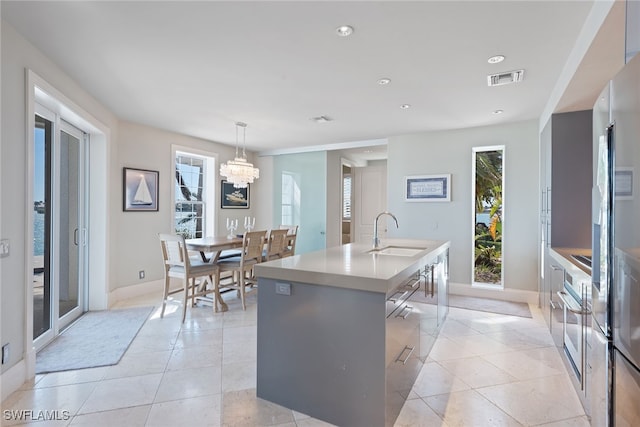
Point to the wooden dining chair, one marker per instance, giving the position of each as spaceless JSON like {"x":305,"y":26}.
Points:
{"x":241,"y":267}
{"x":276,"y":244}
{"x":292,"y":235}
{"x":177,"y":264}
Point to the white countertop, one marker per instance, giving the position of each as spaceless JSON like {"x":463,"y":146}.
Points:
{"x":563,"y":257}
{"x":353,"y":266}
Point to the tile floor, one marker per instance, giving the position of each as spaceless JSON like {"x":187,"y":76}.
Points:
{"x":484,"y":370}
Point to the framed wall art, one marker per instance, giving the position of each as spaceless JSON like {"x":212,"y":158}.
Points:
{"x":139,"y":190}
{"x":427,"y":188}
{"x":234,"y":198}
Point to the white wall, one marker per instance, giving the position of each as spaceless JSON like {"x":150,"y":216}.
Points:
{"x":134,"y":243}
{"x":451,"y":152}
{"x":17,"y":56}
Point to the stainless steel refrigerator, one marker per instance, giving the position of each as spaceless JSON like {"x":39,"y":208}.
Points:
{"x":614,"y":379}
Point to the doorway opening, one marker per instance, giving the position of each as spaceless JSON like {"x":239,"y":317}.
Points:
{"x":488,"y":216}
{"x":68,"y":187}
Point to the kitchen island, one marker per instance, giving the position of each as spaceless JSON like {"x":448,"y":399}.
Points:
{"x":339,"y":338}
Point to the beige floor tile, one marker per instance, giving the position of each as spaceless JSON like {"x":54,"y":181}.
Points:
{"x":525,"y":338}
{"x":122,"y":393}
{"x":479,"y":345}
{"x":199,"y":338}
{"x":194,"y":412}
{"x":64,"y":400}
{"x":238,"y":376}
{"x":477,"y":372}
{"x":304,"y":420}
{"x":195,"y":357}
{"x":468,"y":408}
{"x":573,"y":422}
{"x":136,"y":364}
{"x":130,"y":417}
{"x":151,"y":343}
{"x":204,"y":371}
{"x":447,"y":349}
{"x":537,"y":401}
{"x":527,"y":364}
{"x":455,"y":328}
{"x":434,"y":379}
{"x":416,"y":413}
{"x":243,"y":408}
{"x":188,"y":383}
{"x":80,"y":376}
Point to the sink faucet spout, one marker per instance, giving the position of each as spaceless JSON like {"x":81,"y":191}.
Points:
{"x":376,"y":240}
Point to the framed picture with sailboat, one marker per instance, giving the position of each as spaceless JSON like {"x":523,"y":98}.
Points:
{"x":139,"y":190}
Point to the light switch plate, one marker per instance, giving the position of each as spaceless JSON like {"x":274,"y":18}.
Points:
{"x":4,"y":248}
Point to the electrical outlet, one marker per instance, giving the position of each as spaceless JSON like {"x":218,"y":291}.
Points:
{"x":283,"y":288}
{"x":5,"y":353}
{"x":141,"y":274}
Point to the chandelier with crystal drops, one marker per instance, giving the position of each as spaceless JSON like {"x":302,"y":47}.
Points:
{"x":239,"y":171}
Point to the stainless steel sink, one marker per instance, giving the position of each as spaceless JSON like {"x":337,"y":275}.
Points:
{"x":397,"y":251}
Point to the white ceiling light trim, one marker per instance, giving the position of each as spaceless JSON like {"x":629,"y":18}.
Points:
{"x":344,"y":30}
{"x":495,"y":59}
{"x":239,"y":171}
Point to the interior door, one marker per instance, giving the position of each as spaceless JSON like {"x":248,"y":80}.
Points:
{"x":302,"y":199}
{"x":369,"y":199}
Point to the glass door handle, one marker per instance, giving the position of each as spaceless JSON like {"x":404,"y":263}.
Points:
{"x":75,"y":237}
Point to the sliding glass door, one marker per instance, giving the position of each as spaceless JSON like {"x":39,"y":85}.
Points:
{"x":60,"y":236}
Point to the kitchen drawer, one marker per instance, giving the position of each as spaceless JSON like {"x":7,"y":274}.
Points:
{"x":402,"y":294}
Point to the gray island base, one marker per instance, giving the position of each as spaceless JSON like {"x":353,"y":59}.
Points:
{"x":340,"y":337}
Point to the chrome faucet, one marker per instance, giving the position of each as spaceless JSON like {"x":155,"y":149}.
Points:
{"x":376,"y":240}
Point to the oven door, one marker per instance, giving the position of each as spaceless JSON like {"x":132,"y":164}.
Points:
{"x":573,"y":335}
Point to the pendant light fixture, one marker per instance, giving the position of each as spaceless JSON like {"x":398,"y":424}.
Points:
{"x":239,"y":171}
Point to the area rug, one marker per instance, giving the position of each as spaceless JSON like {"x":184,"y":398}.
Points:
{"x":480,"y":304}
{"x":97,"y":338}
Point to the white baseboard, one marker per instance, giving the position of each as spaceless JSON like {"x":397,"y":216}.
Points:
{"x":127,"y":292}
{"x":13,"y":378}
{"x":515,"y":295}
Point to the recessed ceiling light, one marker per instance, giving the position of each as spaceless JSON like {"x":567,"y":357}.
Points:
{"x":495,"y":59}
{"x":384,"y":81}
{"x":344,"y":30}
{"x":498,"y":111}
{"x":405,"y":106}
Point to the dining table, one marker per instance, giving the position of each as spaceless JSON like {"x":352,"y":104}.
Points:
{"x":210,"y":249}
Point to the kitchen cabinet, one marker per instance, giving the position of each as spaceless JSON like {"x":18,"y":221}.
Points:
{"x":566,"y":170}
{"x":340,"y":337}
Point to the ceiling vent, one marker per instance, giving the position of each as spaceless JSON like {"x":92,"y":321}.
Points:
{"x":505,"y":78}
{"x":321,"y":119}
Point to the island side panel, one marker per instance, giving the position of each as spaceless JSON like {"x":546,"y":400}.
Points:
{"x":321,"y":351}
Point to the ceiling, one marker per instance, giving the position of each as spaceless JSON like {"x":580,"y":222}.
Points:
{"x":198,"y":67}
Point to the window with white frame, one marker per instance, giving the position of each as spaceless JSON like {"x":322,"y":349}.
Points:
{"x":290,"y":213}
{"x":346,"y":197}
{"x":194,"y":194}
